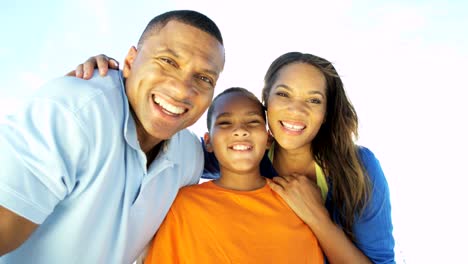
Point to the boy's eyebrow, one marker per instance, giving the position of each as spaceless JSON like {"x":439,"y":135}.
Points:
{"x":223,"y":114}
{"x":229,"y":114}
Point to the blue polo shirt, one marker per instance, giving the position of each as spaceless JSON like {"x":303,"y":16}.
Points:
{"x":71,"y":162}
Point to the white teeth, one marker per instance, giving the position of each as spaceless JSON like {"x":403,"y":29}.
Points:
{"x":240,"y":147}
{"x":168,"y":107}
{"x":293,"y":127}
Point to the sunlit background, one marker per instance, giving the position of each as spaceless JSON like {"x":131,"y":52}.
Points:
{"x":404,"y":65}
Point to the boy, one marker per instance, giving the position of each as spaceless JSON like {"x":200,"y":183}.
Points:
{"x":236,"y":218}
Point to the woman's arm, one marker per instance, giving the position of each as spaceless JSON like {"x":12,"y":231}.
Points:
{"x":101,"y":61}
{"x":304,"y":198}
{"x":374,"y":229}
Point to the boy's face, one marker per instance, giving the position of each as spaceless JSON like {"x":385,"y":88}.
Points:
{"x":238,"y":134}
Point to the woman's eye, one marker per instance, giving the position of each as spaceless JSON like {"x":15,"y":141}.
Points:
{"x":314,"y":101}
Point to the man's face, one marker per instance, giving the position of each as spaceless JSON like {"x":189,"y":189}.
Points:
{"x":170,"y":80}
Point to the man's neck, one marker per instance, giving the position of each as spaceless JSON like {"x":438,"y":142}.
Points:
{"x":153,"y":153}
{"x":146,"y":141}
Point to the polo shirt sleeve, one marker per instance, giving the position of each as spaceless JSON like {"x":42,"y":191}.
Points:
{"x":374,"y":228}
{"x":211,"y":168}
{"x":41,"y":146}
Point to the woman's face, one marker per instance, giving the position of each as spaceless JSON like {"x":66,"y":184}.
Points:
{"x":297,"y":105}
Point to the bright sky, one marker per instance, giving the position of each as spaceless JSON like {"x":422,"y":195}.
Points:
{"x":403,"y":65}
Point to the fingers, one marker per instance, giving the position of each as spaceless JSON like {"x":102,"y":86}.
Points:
{"x":102,"y":64}
{"x":72,"y":74}
{"x":79,"y":71}
{"x":105,"y":63}
{"x":279,"y":189}
{"x":87,"y":67}
{"x":281,"y":180}
{"x":113,"y":64}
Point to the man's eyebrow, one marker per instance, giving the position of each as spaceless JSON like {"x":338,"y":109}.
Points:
{"x":171,"y":51}
{"x":176,"y":55}
{"x":211,"y":72}
{"x":284,"y":86}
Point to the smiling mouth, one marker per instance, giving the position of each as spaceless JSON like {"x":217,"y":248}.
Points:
{"x":168,"y":108}
{"x":240,"y":147}
{"x":293,"y":127}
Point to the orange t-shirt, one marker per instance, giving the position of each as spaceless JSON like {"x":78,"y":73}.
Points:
{"x":209,"y":224}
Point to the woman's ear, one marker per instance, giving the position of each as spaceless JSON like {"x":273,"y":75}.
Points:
{"x":270,"y":140}
{"x":207,"y":140}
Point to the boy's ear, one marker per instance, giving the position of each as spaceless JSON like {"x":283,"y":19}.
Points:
{"x":131,"y":55}
{"x":207,"y":140}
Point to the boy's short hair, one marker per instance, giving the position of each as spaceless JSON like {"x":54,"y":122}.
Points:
{"x":239,"y":90}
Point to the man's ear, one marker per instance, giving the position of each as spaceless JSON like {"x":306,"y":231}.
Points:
{"x":131,"y":55}
{"x":207,"y":140}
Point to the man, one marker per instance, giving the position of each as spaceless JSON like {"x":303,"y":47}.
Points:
{"x":90,"y":168}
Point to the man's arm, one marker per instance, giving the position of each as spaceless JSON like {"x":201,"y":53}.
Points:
{"x":41,"y":146}
{"x":14,"y":230}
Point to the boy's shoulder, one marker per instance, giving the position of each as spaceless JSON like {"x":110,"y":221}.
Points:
{"x":195,"y":188}
{"x":192,"y":196}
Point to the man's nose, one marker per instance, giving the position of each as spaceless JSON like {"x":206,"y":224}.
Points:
{"x":183,"y":87}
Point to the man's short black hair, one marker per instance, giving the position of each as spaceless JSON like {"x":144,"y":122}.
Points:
{"x":188,"y":17}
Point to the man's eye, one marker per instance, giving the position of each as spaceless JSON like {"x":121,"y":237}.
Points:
{"x":281,"y":94}
{"x":205,"y":79}
{"x":169,"y":61}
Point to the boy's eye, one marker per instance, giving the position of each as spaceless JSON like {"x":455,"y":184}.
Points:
{"x":223,"y":123}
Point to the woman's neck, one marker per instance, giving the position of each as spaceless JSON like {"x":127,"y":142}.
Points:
{"x":240,"y":181}
{"x":301,"y":161}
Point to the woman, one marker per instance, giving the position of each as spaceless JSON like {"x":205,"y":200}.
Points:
{"x":336,"y":187}
{"x":313,"y":124}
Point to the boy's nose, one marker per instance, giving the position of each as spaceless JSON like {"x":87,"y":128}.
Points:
{"x":240,"y":131}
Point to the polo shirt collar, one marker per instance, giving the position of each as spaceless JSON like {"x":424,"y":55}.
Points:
{"x":169,"y":149}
